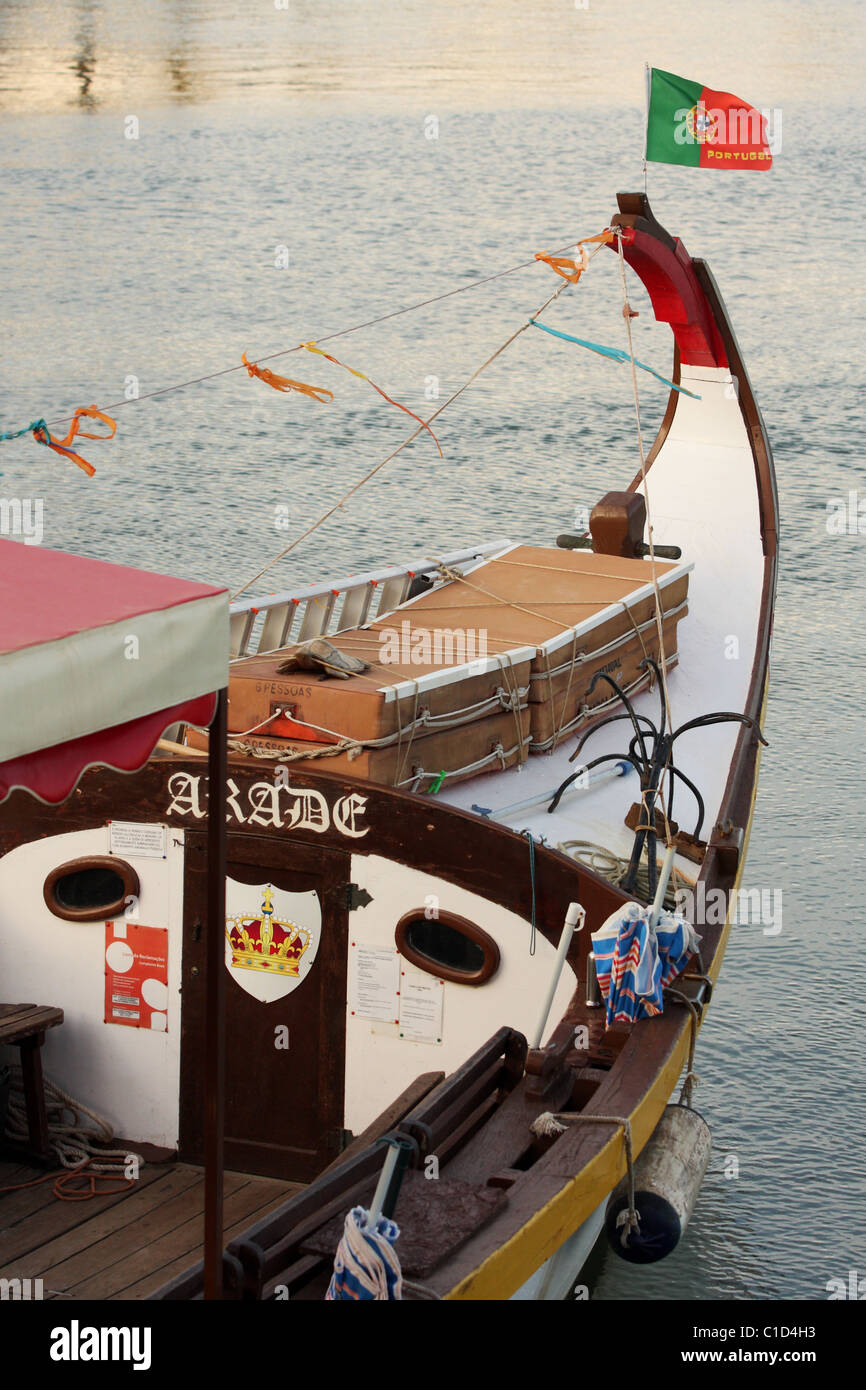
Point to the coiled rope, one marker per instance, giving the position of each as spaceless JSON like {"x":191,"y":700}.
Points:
{"x":613,"y":867}
{"x":80,"y":1150}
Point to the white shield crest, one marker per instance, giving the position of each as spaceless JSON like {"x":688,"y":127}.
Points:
{"x":271,"y":938}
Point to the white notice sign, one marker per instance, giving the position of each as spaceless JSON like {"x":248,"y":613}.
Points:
{"x":136,"y":840}
{"x":421,"y":999}
{"x":375,"y":982}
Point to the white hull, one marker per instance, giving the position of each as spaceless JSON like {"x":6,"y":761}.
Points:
{"x":557,"y":1276}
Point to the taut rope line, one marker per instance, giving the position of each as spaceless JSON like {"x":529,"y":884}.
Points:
{"x":414,"y":435}
{"x":627,"y":315}
{"x":327,"y":338}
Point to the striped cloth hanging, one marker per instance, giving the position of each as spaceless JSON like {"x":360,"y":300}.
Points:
{"x":366,"y":1268}
{"x":635,"y":963}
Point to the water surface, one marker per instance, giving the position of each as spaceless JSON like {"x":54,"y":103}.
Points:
{"x":308,"y":128}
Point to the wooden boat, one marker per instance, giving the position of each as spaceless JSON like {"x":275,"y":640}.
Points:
{"x":397,"y":888}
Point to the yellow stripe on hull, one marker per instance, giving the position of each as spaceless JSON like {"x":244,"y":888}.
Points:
{"x":508,"y":1268}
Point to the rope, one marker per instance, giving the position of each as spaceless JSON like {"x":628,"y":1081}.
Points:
{"x":28,"y":429}
{"x":331,"y":750}
{"x":597,"y":652}
{"x":557,"y":724}
{"x":627,"y":315}
{"x":498,"y":754}
{"x":42,"y":435}
{"x":420,"y":1290}
{"x":311,"y":347}
{"x":528,"y":835}
{"x":594,"y":573}
{"x":549,"y":1126}
{"x":615,"y":355}
{"x":414,"y":435}
{"x":329,"y":337}
{"x":358,"y":642}
{"x":515,"y":698}
{"x":639,"y":635}
{"x":73,"y":1142}
{"x":403,"y":758}
{"x":66,"y":1185}
{"x":446,"y":572}
{"x":691,"y":1077}
{"x":502,"y":699}
{"x":567,"y":268}
{"x":592,"y":711}
{"x":613,"y":867}
{"x":353,"y":749}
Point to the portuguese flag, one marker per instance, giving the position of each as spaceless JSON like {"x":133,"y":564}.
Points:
{"x":688,"y":123}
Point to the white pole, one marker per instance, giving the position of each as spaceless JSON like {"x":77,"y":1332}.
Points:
{"x":647,"y":86}
{"x":505,"y":812}
{"x":382,"y":1186}
{"x":661,"y":889}
{"x":574,"y":920}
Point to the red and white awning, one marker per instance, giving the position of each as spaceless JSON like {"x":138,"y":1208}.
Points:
{"x":96,"y":661}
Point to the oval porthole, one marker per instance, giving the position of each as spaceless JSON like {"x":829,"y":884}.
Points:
{"x":91,"y":889}
{"x":448,"y":946}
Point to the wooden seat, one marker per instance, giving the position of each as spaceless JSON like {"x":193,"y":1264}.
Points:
{"x":279,"y":1250}
{"x":24,"y":1026}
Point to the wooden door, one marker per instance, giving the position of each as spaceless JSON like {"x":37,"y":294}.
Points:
{"x":285,"y":1059}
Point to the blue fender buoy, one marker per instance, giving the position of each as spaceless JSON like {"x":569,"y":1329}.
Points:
{"x":667,"y":1179}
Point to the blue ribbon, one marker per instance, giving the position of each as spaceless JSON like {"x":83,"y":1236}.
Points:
{"x":28,"y":429}
{"x":615,"y":354}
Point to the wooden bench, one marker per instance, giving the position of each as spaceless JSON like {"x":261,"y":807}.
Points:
{"x":280,"y":1249}
{"x":24,"y":1026}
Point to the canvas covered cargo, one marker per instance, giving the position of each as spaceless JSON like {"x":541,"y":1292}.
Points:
{"x":490,"y":664}
{"x":413,"y":696}
{"x":559,"y":682}
{"x":583,"y":613}
{"x":419,"y":712}
{"x":414,"y":764}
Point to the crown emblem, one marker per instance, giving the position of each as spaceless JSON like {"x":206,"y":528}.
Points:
{"x":265,"y":942}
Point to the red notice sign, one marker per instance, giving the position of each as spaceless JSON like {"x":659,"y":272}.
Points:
{"x":136,"y":975}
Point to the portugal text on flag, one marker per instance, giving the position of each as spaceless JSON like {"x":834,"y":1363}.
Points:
{"x":688,"y":123}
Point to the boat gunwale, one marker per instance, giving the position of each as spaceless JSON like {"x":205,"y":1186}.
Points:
{"x":665,"y":1038}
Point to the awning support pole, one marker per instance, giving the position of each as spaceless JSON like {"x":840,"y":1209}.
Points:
{"x":215,"y":1049}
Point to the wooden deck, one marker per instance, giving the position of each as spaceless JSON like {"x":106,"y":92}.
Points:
{"x":124,"y":1245}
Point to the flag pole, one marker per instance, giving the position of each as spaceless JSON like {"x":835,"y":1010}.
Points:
{"x":646,"y":68}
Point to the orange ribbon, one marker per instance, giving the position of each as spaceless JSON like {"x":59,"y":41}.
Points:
{"x":285,"y":383}
{"x":569,"y":269}
{"x":42,"y":435}
{"x":311,"y":347}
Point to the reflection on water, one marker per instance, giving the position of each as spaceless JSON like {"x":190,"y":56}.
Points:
{"x":182,"y":76}
{"x":551,"y":54}
{"x":84,"y":65}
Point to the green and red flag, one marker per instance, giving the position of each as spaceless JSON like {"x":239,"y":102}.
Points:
{"x":690,"y":124}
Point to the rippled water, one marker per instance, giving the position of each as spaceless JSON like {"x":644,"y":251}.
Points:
{"x":308,"y":128}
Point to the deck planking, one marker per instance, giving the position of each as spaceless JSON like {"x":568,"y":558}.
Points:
{"x":121,"y":1245}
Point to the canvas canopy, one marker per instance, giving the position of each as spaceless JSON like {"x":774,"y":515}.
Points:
{"x":96,"y":661}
